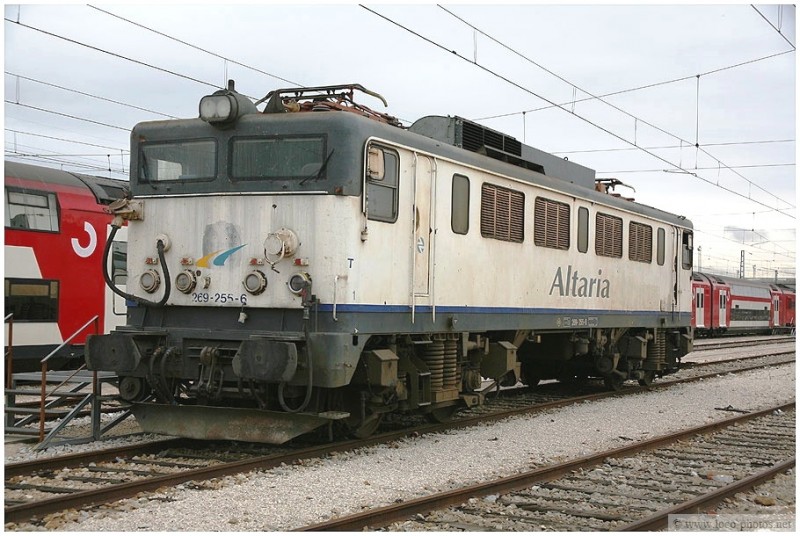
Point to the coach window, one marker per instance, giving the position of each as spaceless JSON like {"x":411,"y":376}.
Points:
{"x":382,"y":188}
{"x":459,"y":215}
{"x":502,"y":213}
{"x":660,"y":246}
{"x":583,"y":229}
{"x":640,"y":242}
{"x":35,"y":300}
{"x":608,"y":235}
{"x":33,"y":210}
{"x":550,"y":223}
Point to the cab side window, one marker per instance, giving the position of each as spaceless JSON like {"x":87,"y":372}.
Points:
{"x":382,"y":189}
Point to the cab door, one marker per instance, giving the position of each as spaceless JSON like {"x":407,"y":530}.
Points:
{"x":423,"y":235}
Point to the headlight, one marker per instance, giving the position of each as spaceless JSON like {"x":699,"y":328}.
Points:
{"x":150,"y":281}
{"x":298,"y":282}
{"x":255,"y":282}
{"x":185,"y":281}
{"x":218,"y":108}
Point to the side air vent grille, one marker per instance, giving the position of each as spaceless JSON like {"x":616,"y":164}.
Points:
{"x":512,"y":146}
{"x":470,"y":136}
{"x":474,"y":137}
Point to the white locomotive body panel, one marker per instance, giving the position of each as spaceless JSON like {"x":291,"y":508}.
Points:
{"x":464,"y":271}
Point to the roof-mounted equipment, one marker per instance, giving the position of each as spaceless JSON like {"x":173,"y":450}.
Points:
{"x":324,"y":98}
{"x":473,"y":137}
{"x":605,"y":184}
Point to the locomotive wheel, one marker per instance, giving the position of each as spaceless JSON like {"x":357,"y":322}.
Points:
{"x":365,"y":428}
{"x":649,"y":376}
{"x":355,"y":425}
{"x":529,"y":376}
{"x":613,"y":382}
{"x":132,"y":389}
{"x":441,"y":415}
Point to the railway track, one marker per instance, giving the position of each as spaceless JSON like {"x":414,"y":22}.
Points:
{"x":631,"y":488}
{"x":740,"y":342}
{"x":35,"y":489}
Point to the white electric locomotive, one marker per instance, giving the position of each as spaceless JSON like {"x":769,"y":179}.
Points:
{"x":316,"y":262}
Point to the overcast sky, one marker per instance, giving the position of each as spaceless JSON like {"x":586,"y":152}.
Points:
{"x":104,"y":68}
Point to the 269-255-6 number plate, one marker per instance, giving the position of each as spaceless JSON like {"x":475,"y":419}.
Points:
{"x":218,"y":297}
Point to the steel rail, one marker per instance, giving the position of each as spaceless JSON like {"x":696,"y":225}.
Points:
{"x":708,"y":344}
{"x":659,"y":520}
{"x":699,"y":364}
{"x":25,"y":511}
{"x":382,"y":516}
{"x":74,"y":460}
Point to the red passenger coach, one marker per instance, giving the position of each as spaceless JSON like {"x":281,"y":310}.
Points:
{"x":730,"y":305}
{"x":711,"y":306}
{"x":55,"y":233}
{"x":783,"y":308}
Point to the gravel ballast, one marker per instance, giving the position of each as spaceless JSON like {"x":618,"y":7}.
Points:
{"x":293,"y":496}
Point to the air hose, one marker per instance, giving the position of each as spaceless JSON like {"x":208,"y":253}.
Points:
{"x":118,"y":292}
{"x":309,"y":388}
{"x":309,"y":365}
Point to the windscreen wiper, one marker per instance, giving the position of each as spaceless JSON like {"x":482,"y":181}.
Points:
{"x":322,"y":168}
{"x":146,"y":172}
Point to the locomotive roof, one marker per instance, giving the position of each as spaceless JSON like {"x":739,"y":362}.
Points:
{"x":104,"y":189}
{"x":338,"y":124}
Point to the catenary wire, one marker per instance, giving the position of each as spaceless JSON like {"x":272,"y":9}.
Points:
{"x":297,"y":84}
{"x":638,"y":88}
{"x":66,"y":140}
{"x":773,"y":26}
{"x":720,"y":144}
{"x":50,"y":84}
{"x":697,"y":168}
{"x":114,"y":54}
{"x":67,"y":115}
{"x":599,"y":127}
{"x":651,"y":125}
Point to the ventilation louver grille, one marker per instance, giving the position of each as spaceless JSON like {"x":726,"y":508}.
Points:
{"x":551,"y":224}
{"x":502,"y":213}
{"x":640,"y":242}
{"x":608,"y":235}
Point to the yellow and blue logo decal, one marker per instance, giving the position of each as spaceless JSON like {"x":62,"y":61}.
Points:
{"x":219,"y":257}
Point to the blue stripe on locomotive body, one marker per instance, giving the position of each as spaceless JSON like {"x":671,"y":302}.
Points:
{"x":395,"y":318}
{"x":367,"y":320}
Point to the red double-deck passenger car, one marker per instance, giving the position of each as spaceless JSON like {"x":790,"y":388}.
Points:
{"x":729,"y":305}
{"x":55,"y":233}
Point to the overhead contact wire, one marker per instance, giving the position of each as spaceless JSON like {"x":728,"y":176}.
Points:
{"x":599,"y":127}
{"x":595,"y":97}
